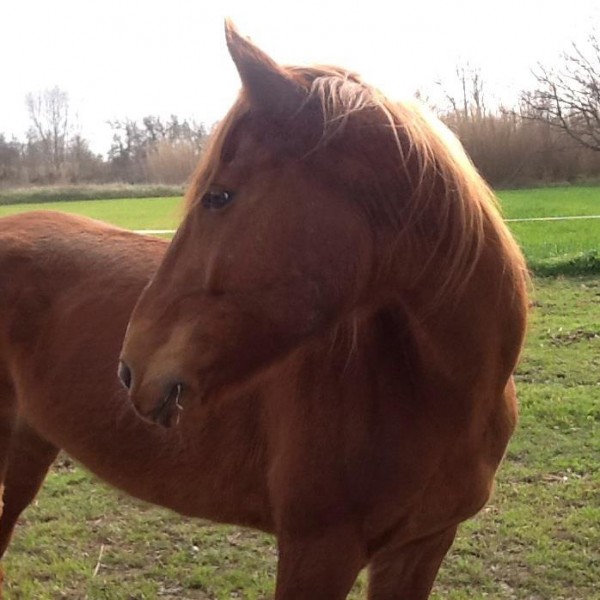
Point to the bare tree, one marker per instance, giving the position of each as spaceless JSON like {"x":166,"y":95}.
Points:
{"x":10,"y":159}
{"x":568,"y":96}
{"x":49,"y":114}
{"x":155,"y":149}
{"x":465,"y":93}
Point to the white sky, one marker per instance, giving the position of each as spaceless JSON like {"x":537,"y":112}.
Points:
{"x":124,"y":58}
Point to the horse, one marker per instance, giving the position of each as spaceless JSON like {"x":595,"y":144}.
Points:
{"x":339,"y":316}
{"x":67,"y":287}
{"x":324,"y":352}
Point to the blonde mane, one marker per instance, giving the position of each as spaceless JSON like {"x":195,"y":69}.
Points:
{"x":427,"y":188}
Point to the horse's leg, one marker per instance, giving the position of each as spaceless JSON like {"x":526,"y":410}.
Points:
{"x":29,"y":459}
{"x":7,"y":424}
{"x":408,"y":572}
{"x":7,"y":427}
{"x":320,"y":567}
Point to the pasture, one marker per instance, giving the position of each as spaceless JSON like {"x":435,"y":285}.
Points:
{"x":130,"y":213}
{"x":551,"y":247}
{"x":538,"y":538}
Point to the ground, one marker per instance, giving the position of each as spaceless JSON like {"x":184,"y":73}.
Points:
{"x":537,"y":539}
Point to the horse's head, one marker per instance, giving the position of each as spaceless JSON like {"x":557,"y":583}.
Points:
{"x":270,"y":252}
{"x":317,"y":198}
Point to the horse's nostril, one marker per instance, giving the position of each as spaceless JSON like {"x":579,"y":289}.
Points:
{"x":175,"y":393}
{"x":167,"y":412}
{"x":124,"y":373}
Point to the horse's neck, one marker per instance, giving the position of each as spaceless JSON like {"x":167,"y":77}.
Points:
{"x":209,"y":466}
{"x":409,"y":393}
{"x":472,"y":339}
{"x":354,"y":403}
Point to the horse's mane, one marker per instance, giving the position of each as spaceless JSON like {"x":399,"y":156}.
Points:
{"x":421,"y":181}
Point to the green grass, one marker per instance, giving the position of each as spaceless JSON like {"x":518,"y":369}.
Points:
{"x":131,"y":213}
{"x":560,"y":247}
{"x":551,"y":247}
{"x":550,"y":202}
{"x":538,"y":538}
{"x":556,"y":247}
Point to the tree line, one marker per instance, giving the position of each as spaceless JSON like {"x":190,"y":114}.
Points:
{"x":553,"y":135}
{"x":151,"y":150}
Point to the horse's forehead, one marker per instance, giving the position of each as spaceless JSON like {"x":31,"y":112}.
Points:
{"x":252,"y":140}
{"x":255,"y":143}
{"x":243,"y":154}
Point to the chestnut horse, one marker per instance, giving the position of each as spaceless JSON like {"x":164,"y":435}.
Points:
{"x":327,"y":347}
{"x":67,"y":287}
{"x":339,"y":316}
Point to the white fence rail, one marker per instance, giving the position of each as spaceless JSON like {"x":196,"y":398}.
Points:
{"x":571,"y":218}
{"x":565,"y":218}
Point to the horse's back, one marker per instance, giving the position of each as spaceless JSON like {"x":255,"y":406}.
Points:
{"x":53,"y":240}
{"x":67,"y":284}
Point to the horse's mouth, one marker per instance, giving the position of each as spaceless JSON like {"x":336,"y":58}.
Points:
{"x":169,"y":409}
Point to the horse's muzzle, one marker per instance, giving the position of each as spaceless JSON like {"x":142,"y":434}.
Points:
{"x":159,"y":403}
{"x":168,"y":410}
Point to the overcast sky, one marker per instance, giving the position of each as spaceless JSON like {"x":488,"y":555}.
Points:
{"x":123,"y":58}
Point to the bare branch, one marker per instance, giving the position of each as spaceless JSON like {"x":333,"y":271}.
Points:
{"x":49,"y":114}
{"x":568,"y":98}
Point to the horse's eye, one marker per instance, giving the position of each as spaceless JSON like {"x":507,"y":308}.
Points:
{"x":215,"y":200}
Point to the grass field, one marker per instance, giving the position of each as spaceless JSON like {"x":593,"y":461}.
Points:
{"x":550,"y":202}
{"x":555,"y":247}
{"x":551,"y":247}
{"x":131,"y":213}
{"x":538,"y":539}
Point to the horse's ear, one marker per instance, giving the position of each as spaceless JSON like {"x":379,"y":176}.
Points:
{"x":267,"y":85}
